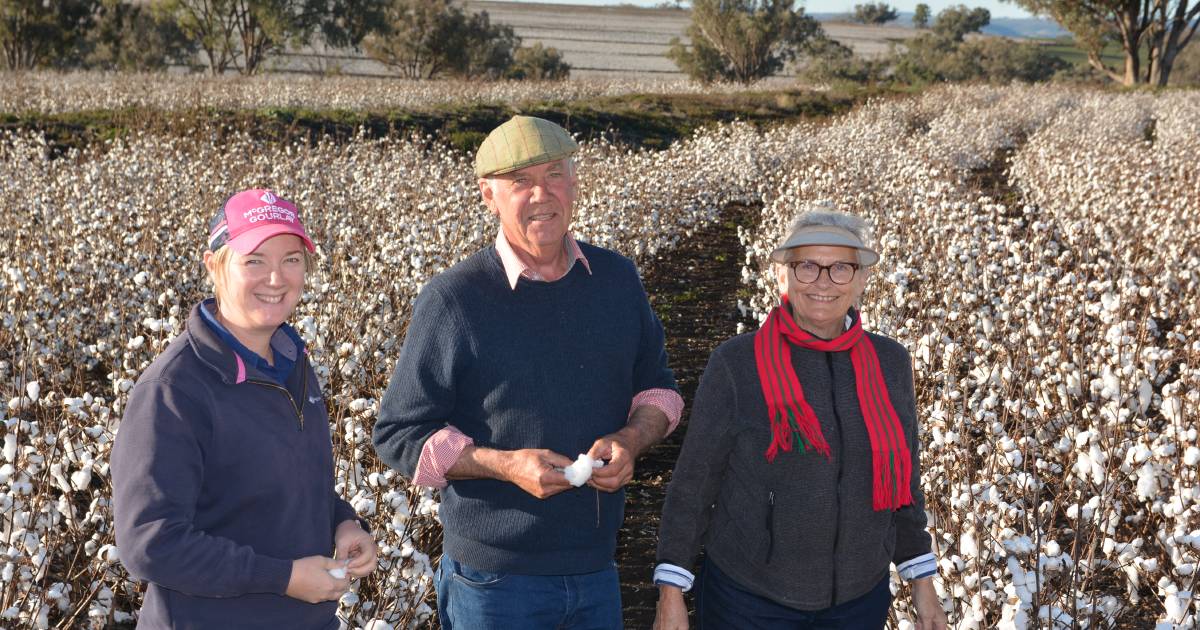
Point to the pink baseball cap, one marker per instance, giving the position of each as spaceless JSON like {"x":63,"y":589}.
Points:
{"x":252,"y":216}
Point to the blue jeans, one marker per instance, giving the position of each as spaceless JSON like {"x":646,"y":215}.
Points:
{"x":470,"y":599}
{"x":721,"y":604}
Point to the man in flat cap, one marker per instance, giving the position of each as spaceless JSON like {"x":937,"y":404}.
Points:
{"x":518,"y":359}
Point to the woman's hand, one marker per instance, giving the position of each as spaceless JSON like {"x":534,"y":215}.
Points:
{"x":352,"y":543}
{"x":672,"y":612}
{"x":930,"y":614}
{"x":311,"y":582}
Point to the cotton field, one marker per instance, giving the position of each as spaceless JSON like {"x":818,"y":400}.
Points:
{"x":51,"y":93}
{"x":1053,"y":327}
{"x":1041,"y":261}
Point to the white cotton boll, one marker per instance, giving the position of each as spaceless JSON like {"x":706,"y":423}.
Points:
{"x":338,"y":573}
{"x":1145,"y":395}
{"x":1172,"y":409}
{"x":349,"y":599}
{"x":579,"y":472}
{"x":81,"y":479}
{"x":136,"y":342}
{"x":140,"y":278}
{"x":1191,"y":456}
{"x":10,"y":447}
{"x":1147,"y":483}
{"x":109,"y":554}
{"x":33,"y":389}
{"x":378,"y":624}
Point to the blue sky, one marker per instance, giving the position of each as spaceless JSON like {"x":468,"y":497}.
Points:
{"x":998,"y":9}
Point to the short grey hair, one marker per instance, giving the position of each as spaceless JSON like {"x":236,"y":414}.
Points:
{"x":824,"y":214}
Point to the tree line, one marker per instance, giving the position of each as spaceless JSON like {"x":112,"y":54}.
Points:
{"x":746,"y":40}
{"x":418,"y":39}
{"x":728,"y":40}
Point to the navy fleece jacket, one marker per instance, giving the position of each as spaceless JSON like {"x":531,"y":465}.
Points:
{"x":222,"y":477}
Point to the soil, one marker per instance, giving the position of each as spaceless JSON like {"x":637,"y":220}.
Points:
{"x":694,"y":289}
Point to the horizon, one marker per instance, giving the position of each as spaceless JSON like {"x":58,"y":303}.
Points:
{"x":998,"y":9}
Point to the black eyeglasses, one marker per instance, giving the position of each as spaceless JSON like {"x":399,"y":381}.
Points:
{"x":807,"y":271}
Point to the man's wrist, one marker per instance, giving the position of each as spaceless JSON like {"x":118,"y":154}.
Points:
{"x":475,"y":462}
{"x":645,"y":428}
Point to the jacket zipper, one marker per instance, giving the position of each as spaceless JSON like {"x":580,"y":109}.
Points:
{"x":770,"y":524}
{"x":838,"y":484}
{"x":303,"y":393}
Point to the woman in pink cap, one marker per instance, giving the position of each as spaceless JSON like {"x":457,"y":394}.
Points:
{"x":222,"y":469}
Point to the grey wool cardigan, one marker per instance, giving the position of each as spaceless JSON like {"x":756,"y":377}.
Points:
{"x":800,"y":531}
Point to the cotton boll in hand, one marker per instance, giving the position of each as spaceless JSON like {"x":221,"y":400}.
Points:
{"x":579,"y":472}
{"x":340,"y":572}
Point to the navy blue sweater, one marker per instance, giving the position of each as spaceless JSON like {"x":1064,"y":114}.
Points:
{"x":219,"y":483}
{"x":551,"y":365}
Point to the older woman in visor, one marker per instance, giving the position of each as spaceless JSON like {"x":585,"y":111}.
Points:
{"x":222,"y":470}
{"x":800,"y":475}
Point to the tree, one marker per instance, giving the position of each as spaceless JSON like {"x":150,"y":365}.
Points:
{"x":241,"y":33}
{"x":993,"y":59}
{"x":414,"y":39}
{"x":538,"y":63}
{"x":36,"y":33}
{"x":489,"y":48}
{"x":873,"y":13}
{"x":136,"y":37}
{"x":832,"y":62}
{"x":741,"y":40}
{"x":423,"y":39}
{"x":267,"y":26}
{"x":955,"y":22}
{"x":346,"y":23}
{"x":921,"y":16}
{"x":1160,"y":28}
{"x":209,"y":25}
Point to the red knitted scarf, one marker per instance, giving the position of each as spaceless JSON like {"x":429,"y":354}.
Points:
{"x":791,"y":415}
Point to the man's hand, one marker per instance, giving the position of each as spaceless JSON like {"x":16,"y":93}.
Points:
{"x":537,"y":471}
{"x":351,"y":542}
{"x":311,"y":582}
{"x":930,"y":614}
{"x":618,"y":467}
{"x":672,"y":612}
{"x":646,"y":426}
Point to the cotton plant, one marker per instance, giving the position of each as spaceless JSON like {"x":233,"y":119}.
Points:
{"x":61,"y":92}
{"x":1052,"y":329}
{"x":115,"y":275}
{"x":1052,"y":323}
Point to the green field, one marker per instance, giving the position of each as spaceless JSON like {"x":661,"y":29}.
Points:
{"x":1065,"y":49}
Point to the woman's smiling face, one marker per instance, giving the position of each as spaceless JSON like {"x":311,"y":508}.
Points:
{"x":258,"y":291}
{"x":820,"y":306}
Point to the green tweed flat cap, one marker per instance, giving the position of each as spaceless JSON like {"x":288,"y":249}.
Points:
{"x":522,"y":141}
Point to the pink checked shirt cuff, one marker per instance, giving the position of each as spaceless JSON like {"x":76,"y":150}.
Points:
{"x":667,"y":401}
{"x":440,"y":452}
{"x":443,"y":448}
